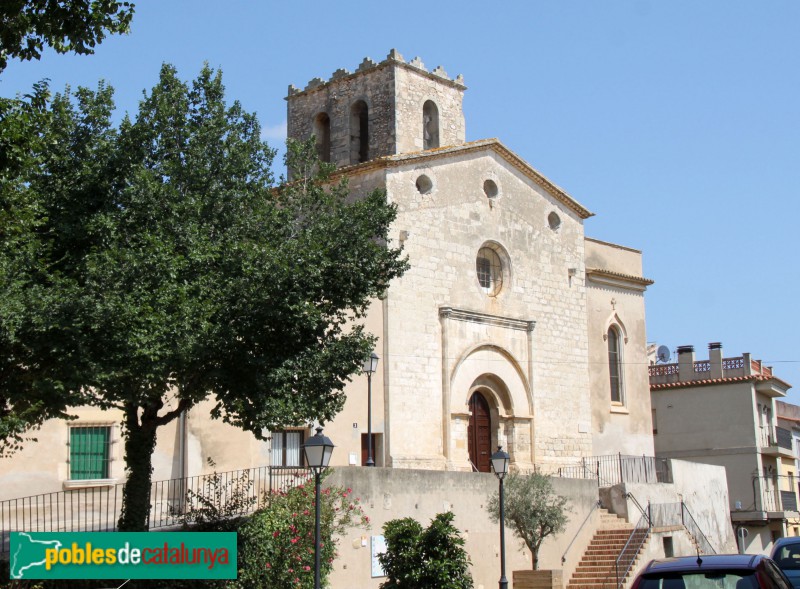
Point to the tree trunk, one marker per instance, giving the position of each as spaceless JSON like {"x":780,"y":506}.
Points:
{"x":140,"y":442}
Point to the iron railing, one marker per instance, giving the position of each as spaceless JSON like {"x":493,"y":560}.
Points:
{"x":232,"y":493}
{"x":700,"y":539}
{"x":769,"y":436}
{"x":578,"y":533}
{"x":627,"y":556}
{"x":655,"y":516}
{"x":677,"y":514}
{"x":619,"y":468}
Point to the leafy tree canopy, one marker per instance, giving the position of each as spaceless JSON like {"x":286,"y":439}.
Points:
{"x":171,"y":267}
{"x":532,"y":509}
{"x":26,"y":26}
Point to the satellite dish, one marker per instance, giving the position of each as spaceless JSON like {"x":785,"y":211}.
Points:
{"x":662,"y":355}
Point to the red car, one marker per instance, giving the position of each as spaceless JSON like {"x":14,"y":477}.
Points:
{"x":713,"y":571}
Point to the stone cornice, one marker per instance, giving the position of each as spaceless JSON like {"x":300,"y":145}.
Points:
{"x":393,"y":161}
{"x":485,"y":319}
{"x":617,"y":279}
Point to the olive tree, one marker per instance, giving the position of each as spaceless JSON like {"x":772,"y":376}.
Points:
{"x":533,"y":510}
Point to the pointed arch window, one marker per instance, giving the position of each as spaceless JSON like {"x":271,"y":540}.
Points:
{"x":615,"y":365}
{"x":430,"y":125}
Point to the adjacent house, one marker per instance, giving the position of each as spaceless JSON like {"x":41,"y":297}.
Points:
{"x":723,"y":411}
{"x":789,"y":419}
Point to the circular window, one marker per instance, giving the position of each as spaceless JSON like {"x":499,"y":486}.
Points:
{"x":490,"y":188}
{"x":424,"y":184}
{"x":554,"y":221}
{"x":489,"y":268}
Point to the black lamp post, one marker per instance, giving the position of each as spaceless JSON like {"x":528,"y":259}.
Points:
{"x":317,"y":450}
{"x":369,"y":368}
{"x":500,"y":462}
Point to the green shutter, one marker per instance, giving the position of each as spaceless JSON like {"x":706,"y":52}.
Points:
{"x":88,"y":452}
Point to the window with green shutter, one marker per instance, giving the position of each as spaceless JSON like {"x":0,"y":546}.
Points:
{"x":89,"y":452}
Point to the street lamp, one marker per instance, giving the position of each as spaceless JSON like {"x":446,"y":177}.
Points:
{"x":500,"y":462}
{"x":369,"y":368}
{"x":317,"y":450}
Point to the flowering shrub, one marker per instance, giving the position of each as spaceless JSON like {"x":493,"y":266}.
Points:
{"x":276,"y":545}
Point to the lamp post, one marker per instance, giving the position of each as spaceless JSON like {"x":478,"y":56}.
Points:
{"x":317,"y":450}
{"x":500,"y":462}
{"x":369,"y":368}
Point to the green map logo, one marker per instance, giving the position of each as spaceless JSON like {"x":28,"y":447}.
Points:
{"x":123,"y":555}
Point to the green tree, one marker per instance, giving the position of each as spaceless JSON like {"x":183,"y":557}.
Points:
{"x":176,"y":269}
{"x":421,"y":558}
{"x":31,"y":388}
{"x":26,"y":26}
{"x":532,"y":509}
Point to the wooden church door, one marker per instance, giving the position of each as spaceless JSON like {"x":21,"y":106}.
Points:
{"x":479,"y":437}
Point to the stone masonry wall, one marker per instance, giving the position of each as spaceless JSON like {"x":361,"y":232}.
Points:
{"x":394,"y":92}
{"x":446,"y":228}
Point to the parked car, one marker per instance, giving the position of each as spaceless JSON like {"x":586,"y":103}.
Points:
{"x":786,"y":554}
{"x":713,"y":571}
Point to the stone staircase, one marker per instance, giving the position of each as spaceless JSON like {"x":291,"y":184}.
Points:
{"x":596,"y":569}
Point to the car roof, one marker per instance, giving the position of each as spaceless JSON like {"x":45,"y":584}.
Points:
{"x":706,"y":562}
{"x":786,"y":540}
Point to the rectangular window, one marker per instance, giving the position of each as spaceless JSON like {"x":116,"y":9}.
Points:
{"x":286,"y":448}
{"x":89,"y":452}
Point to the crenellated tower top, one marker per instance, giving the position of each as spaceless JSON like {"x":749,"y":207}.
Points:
{"x":380,"y":109}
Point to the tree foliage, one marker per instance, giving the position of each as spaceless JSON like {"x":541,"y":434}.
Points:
{"x":31,"y":388}
{"x":532,"y":509}
{"x":171,"y":268}
{"x":420,"y":558}
{"x":26,"y":26}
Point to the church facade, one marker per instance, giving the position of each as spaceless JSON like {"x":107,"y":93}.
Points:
{"x":511,"y":328}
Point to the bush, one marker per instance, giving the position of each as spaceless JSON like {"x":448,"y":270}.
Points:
{"x":220,"y":505}
{"x":418,"y":558}
{"x":276,"y":544}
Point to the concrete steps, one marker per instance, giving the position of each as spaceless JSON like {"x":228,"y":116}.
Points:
{"x":597,"y":568}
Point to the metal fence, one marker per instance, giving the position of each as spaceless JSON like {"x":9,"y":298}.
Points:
{"x":89,"y":509}
{"x":619,"y":468}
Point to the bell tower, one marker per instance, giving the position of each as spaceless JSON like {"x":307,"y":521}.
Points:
{"x":381,"y":109}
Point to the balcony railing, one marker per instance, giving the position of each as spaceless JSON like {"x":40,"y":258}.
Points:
{"x":775,"y":493}
{"x":775,"y":437}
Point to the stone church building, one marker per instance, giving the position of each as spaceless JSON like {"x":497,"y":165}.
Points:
{"x":510,"y":328}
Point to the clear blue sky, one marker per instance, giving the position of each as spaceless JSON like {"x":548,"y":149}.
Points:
{"x":677,"y":122}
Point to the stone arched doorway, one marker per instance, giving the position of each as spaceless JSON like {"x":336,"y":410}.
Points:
{"x":479,"y":433}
